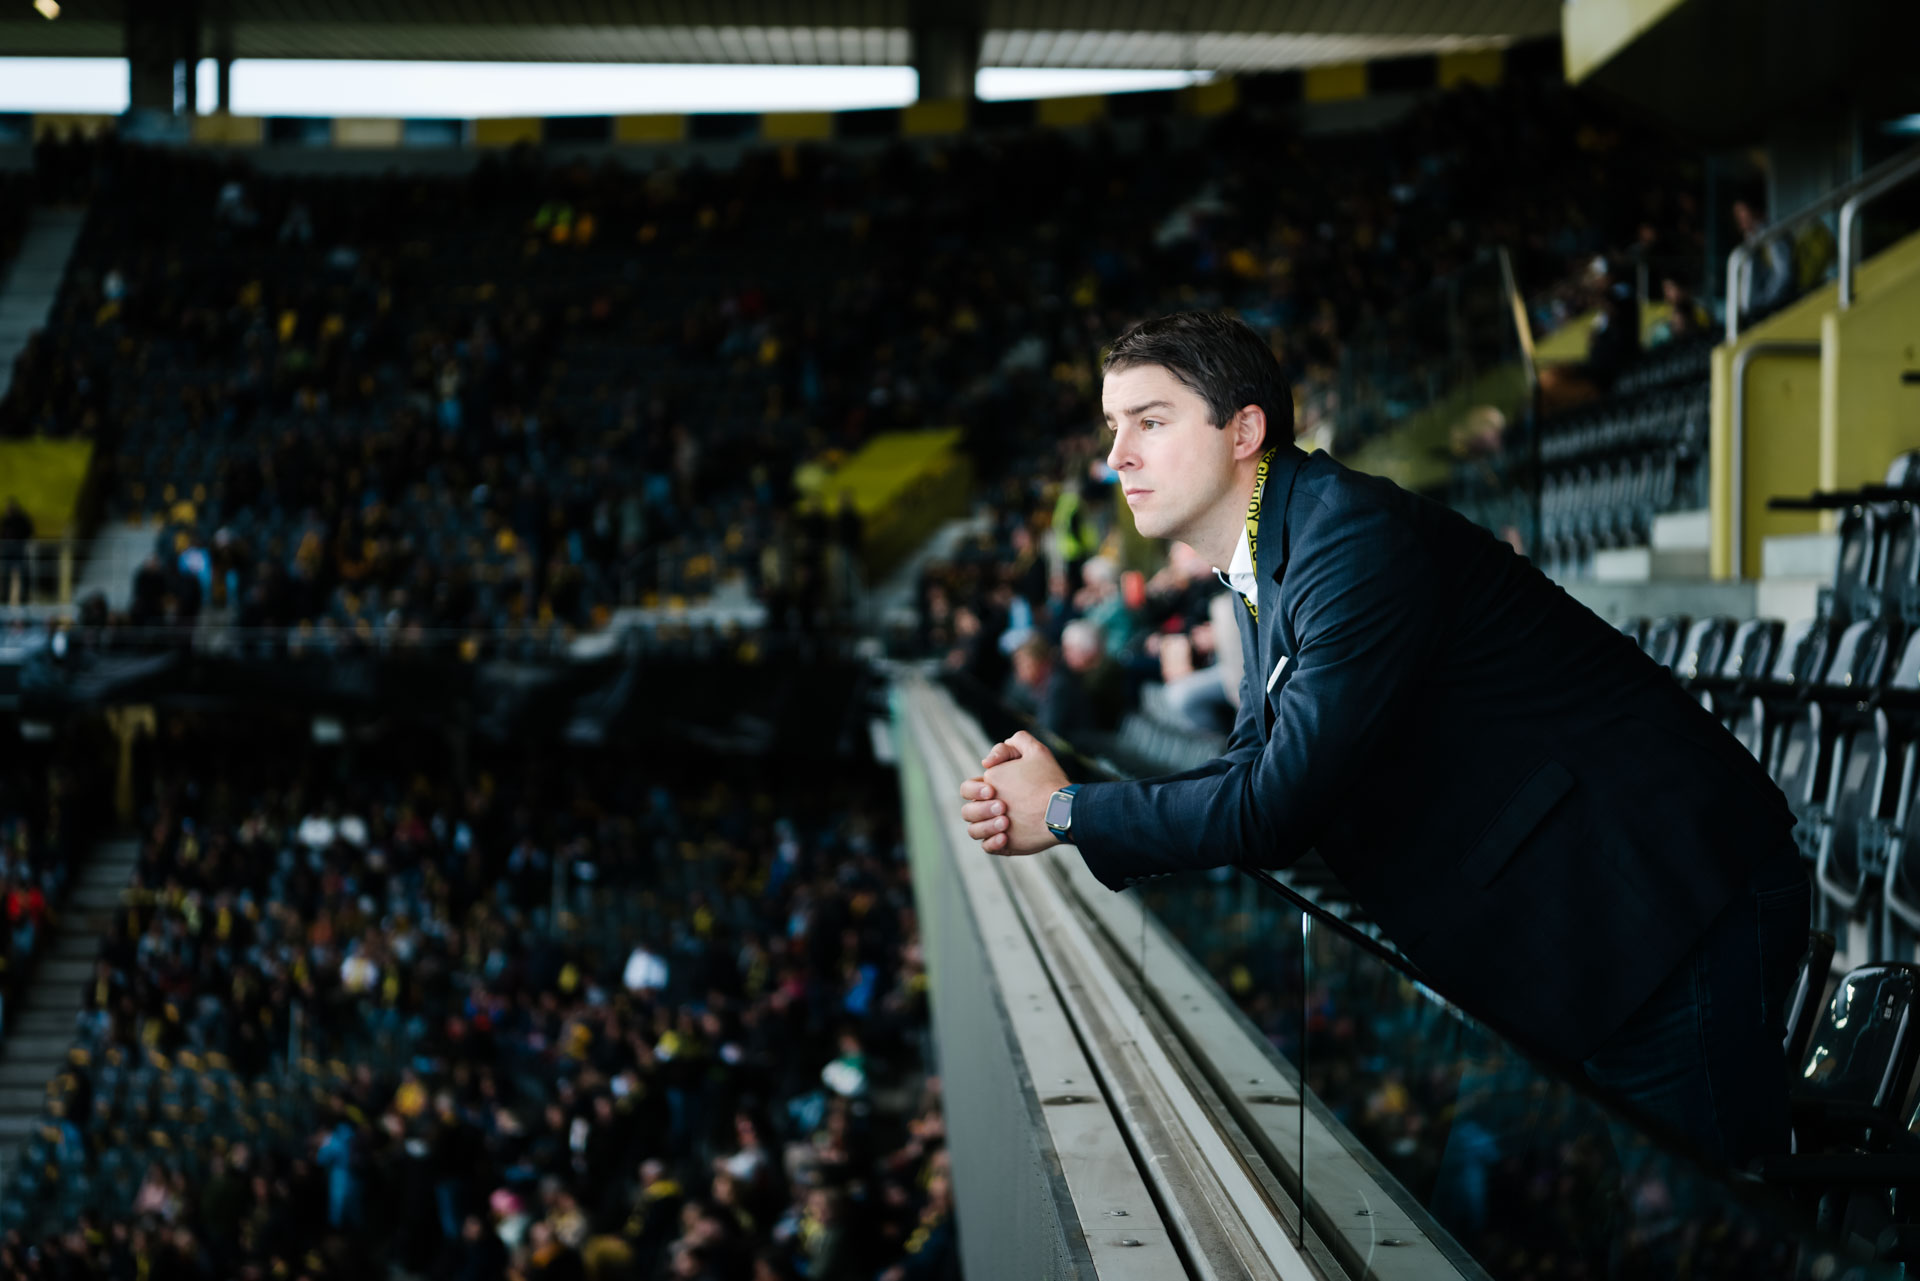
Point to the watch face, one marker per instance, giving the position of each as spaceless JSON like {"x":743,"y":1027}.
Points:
{"x":1059,"y":810}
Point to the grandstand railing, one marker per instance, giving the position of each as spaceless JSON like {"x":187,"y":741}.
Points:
{"x":1896,"y":173}
{"x":1384,"y":1122}
{"x":1846,"y":200}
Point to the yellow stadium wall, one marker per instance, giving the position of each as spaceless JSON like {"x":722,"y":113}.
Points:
{"x":903,"y":484}
{"x":1787,"y":452}
{"x":1782,"y":452}
{"x":1867,"y":415}
{"x":47,"y":477}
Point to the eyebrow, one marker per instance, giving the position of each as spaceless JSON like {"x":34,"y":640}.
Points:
{"x":1137,"y":410}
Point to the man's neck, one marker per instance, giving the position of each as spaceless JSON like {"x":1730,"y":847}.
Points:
{"x":1218,"y":536}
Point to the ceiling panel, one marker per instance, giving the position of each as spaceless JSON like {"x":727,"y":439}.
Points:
{"x":1223,"y":35}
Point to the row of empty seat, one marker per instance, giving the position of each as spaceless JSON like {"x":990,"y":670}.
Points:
{"x":1832,"y":709}
{"x":1601,"y":506}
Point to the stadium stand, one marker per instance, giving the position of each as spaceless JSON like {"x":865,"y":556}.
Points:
{"x":568,"y":1015}
{"x":341,"y":1020}
{"x":375,"y":405}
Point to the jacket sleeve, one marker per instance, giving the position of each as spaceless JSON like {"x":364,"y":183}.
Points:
{"x":1363,"y":604}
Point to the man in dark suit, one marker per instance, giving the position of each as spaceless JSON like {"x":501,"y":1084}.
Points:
{"x":1561,"y":839}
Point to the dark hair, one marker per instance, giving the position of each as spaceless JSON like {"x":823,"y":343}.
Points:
{"x":1226,"y":364}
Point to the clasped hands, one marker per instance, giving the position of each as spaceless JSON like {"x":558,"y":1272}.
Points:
{"x":1005,"y":808}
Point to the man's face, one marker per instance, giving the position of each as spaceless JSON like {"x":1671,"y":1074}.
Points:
{"x":1174,"y":464}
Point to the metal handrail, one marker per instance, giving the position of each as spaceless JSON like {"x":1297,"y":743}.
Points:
{"x":1875,"y":182}
{"x":1907,"y":168}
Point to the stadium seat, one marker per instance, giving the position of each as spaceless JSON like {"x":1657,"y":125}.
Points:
{"x":1860,"y":1062}
{"x":1807,"y":999}
{"x":1856,"y":567}
{"x":1704,"y":649}
{"x":1666,"y":639}
{"x":1729,"y":690}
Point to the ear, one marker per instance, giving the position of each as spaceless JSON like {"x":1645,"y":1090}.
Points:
{"x":1249,"y":428}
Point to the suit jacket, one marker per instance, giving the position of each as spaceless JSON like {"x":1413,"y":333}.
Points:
{"x":1533,"y":810}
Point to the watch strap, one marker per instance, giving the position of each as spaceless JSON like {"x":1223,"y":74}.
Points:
{"x":1069,"y":791}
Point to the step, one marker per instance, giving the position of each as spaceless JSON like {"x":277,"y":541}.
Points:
{"x":1791,"y":599}
{"x":62,"y":973}
{"x":100,"y":900}
{"x":1688,"y":531}
{"x":1799,"y":555}
{"x":15,"y":1128}
{"x":49,"y":1049}
{"x":22,"y":1098}
{"x":104,"y":868}
{"x":21,"y":1074}
{"x":75,"y":945}
{"x":112,"y":883}
{"x":42,"y":1022}
{"x":1649,"y":565}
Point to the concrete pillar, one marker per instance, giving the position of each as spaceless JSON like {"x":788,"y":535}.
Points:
{"x":162,"y":46}
{"x":128,"y":723}
{"x":946,"y":47}
{"x":220,"y":24}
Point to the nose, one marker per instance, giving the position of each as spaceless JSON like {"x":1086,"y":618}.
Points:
{"x":1120,"y":457}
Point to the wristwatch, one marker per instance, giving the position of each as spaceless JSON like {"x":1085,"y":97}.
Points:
{"x":1060,"y":810}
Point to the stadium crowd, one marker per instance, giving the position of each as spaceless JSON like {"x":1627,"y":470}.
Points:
{"x":536,"y":394}
{"x":352,"y":1017}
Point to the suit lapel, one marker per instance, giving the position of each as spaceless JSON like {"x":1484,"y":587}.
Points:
{"x":1274,"y":641}
{"x":1272,"y":646}
{"x":1249,"y":644}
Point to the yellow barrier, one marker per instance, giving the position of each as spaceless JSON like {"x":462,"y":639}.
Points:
{"x":46,"y":476}
{"x":1780,"y":453}
{"x":1797,"y":430}
{"x":1415,"y":453}
{"x":1567,"y":345}
{"x":903,"y":484}
{"x":1868,"y":413}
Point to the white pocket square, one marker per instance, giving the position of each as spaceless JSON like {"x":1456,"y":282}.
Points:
{"x":1277,"y":669}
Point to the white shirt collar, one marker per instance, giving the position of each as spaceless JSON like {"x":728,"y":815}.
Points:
{"x":1240,"y":574}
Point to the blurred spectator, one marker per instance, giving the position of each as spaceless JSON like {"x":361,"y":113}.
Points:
{"x":1767,"y":276}
{"x":1092,"y":690}
{"x":1685,"y":320}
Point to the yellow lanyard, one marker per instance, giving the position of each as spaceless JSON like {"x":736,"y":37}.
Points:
{"x":1253,"y":525}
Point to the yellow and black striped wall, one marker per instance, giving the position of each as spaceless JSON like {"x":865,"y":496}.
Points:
{"x":1313,"y":85}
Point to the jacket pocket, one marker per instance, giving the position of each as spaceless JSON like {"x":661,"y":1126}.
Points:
{"x":1524,"y":810}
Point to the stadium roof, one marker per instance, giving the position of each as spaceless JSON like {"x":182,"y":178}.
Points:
{"x":1213,"y":35}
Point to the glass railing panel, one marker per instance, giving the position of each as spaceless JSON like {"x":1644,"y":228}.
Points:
{"x":1249,"y":943}
{"x":1530,"y":1173}
{"x":1507,"y":1166}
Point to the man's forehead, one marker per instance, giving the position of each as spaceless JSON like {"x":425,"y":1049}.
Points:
{"x":1136,"y":385}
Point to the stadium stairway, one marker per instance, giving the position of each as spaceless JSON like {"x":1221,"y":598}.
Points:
{"x":38,"y":1034}
{"x":113,"y":555}
{"x":34,"y":283}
